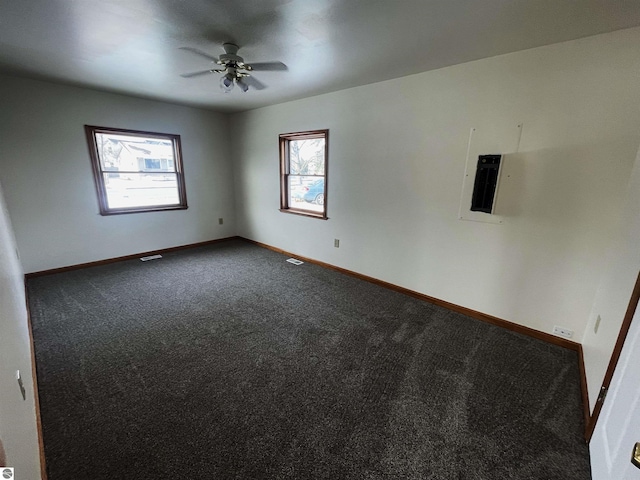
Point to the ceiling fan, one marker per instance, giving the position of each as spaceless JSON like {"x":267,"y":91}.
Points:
{"x":236,"y":71}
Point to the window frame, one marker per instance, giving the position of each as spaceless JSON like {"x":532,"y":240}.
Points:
{"x":284,"y":140}
{"x":98,"y":172}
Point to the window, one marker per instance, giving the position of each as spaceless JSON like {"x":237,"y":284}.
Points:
{"x":303,"y":173}
{"x":136,"y":171}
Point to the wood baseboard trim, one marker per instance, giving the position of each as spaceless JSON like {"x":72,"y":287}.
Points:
{"x":126,"y":257}
{"x":547,"y":337}
{"x":36,"y":393}
{"x":436,"y":301}
{"x":585,"y":393}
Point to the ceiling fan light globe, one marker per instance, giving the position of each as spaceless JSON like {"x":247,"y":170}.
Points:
{"x":226,"y":83}
{"x":243,"y":86}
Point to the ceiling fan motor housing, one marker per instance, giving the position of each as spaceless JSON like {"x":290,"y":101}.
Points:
{"x":231,"y":57}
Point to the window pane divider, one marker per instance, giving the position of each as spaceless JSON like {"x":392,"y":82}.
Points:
{"x":145,"y":172}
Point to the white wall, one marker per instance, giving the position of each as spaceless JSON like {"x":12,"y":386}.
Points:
{"x":614,"y":290}
{"x":49,"y":187}
{"x":397,"y":153}
{"x":17,"y":416}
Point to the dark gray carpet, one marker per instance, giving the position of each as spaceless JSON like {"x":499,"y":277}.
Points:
{"x":226,"y":362}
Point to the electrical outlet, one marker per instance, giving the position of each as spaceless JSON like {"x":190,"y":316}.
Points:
{"x":562,"y":332}
{"x":336,"y":243}
{"x":597,"y":325}
{"x":220,"y":221}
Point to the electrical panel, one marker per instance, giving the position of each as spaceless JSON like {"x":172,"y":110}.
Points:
{"x":486,"y":182}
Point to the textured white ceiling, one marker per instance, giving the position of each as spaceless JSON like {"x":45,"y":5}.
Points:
{"x":132,"y":46}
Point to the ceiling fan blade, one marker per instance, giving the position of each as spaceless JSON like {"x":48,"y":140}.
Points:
{"x":196,"y":74}
{"x":252,"y":82}
{"x":268,"y":66}
{"x":201,"y":53}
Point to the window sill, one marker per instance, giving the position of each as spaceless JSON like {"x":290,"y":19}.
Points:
{"x":121,"y":211}
{"x":305,"y":213}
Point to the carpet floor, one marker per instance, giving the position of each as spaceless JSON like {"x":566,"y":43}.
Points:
{"x":227,"y":362}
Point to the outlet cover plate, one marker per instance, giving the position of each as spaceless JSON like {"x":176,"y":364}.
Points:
{"x":562,"y":332}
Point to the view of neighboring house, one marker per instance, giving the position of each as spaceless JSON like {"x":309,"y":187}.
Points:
{"x":144,"y":157}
